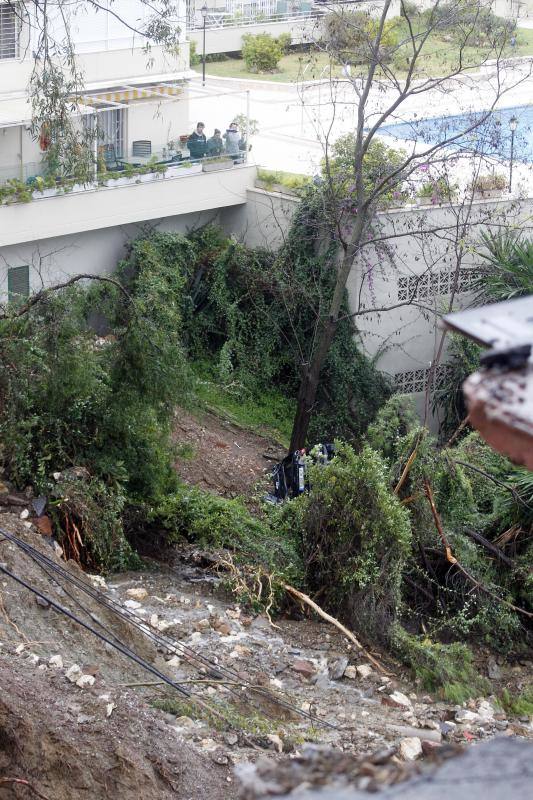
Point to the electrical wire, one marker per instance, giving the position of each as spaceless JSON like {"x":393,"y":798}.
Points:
{"x":197,"y":659}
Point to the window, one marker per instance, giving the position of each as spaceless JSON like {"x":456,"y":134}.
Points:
{"x":112,"y":128}
{"x":435,"y":284}
{"x":9,"y":31}
{"x":416,"y":380}
{"x":18,"y":284}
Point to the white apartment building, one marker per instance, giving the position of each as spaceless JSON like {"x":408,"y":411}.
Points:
{"x":142,"y":103}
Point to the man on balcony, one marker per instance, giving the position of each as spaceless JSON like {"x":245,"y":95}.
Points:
{"x":215,"y":145}
{"x":197,"y":142}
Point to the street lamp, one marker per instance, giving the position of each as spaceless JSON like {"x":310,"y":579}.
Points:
{"x":203,"y":12}
{"x":513,"y":125}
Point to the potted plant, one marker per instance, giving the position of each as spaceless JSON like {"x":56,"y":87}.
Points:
{"x":436,"y":192}
{"x":216,"y":164}
{"x":485,"y":186}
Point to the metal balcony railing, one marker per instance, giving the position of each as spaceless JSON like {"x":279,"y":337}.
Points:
{"x":215,"y":20}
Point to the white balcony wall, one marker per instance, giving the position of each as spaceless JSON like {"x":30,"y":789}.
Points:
{"x":111,"y":206}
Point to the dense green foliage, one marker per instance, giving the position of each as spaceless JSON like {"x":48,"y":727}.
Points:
{"x":351,"y":35}
{"x":261,"y":52}
{"x":508,"y":269}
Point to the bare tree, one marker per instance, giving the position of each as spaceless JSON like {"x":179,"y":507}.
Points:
{"x":390,"y":74}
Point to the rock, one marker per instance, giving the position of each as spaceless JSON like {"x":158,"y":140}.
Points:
{"x":56,"y":661}
{"x":221,"y":626}
{"x":493,"y":670}
{"x":43,"y":525}
{"x":220,"y":757}
{"x":33,"y":659}
{"x":175,"y":661}
{"x":85,"y":680}
{"x":137,"y":593}
{"x":465,"y":715}
{"x":430,"y":748}
{"x":350,"y":672}
{"x":396,"y":700}
{"x":485,"y":711}
{"x":423,"y":734}
{"x":410,"y":749}
{"x":202,"y":625}
{"x":19,"y":649}
{"x":364,"y":670}
{"x":231,"y":739}
{"x":185,"y":722}
{"x":336,"y":668}
{"x":305,"y":668}
{"x":42,"y":602}
{"x":133,"y":605}
{"x":24,"y":514}
{"x":73,"y":673}
{"x":83,"y":718}
{"x":274,"y":739}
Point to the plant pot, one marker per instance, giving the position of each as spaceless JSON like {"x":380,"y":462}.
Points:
{"x":216,"y":166}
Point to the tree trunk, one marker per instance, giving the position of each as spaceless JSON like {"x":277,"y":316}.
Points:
{"x":309,"y":386}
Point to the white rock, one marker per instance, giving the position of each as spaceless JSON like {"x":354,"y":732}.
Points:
{"x":42,"y":667}
{"x":19,"y":649}
{"x":24,"y":514}
{"x":154,"y":620}
{"x":465,"y":715}
{"x":137,"y":593}
{"x":276,"y":683}
{"x":410,"y":749}
{"x":56,"y":661}
{"x":364,"y":670}
{"x":485,"y":710}
{"x":400,"y":699}
{"x":27,"y":524}
{"x":175,"y":661}
{"x":350,"y":672}
{"x":109,"y":709}
{"x":276,"y":741}
{"x":306,"y":707}
{"x":56,"y":475}
{"x":85,"y":680}
{"x":132,"y":604}
{"x":73,"y":673}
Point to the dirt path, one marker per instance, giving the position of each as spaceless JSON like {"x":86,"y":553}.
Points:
{"x":218,"y":456}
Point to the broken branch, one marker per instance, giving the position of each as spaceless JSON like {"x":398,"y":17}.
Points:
{"x":303,"y":598}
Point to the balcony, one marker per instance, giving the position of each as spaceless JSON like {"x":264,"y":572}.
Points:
{"x":120,"y":199}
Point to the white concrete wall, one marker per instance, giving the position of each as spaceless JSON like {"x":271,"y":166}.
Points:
{"x":159,"y":121}
{"x":107,"y":207}
{"x":229,"y":40}
{"x":54,"y":260}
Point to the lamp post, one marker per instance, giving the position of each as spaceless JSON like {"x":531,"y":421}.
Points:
{"x":513,"y":125}
{"x":203,"y":11}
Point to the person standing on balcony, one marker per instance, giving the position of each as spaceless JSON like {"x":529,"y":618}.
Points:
{"x":215,"y":145}
{"x":197,"y":143}
{"x":232,"y":137}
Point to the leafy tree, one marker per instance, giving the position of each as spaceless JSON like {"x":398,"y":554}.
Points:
{"x":508,"y":269}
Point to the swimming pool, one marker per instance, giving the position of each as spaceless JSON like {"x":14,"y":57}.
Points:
{"x":490,"y":138}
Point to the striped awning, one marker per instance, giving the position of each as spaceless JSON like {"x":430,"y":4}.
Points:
{"x":126,"y":95}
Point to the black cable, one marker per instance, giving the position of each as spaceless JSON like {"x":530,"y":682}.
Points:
{"x":171,"y":644}
{"x":122,"y":649}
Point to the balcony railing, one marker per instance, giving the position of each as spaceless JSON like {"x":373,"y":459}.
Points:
{"x":215,"y":20}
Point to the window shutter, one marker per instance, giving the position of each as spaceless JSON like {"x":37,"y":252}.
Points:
{"x":18,"y":284}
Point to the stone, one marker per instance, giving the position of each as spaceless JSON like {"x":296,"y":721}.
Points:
{"x":275,"y":740}
{"x":430,"y":748}
{"x":83,"y":718}
{"x":133,"y":605}
{"x":485,"y":711}
{"x":42,"y":602}
{"x":410,"y":749}
{"x":137,"y":593}
{"x":202,"y":625}
{"x":175,"y":661}
{"x":85,"y":680}
{"x":336,"y":668}
{"x":19,"y":649}
{"x":350,"y":672}
{"x":24,"y":514}
{"x":494,"y":670}
{"x":33,"y":659}
{"x":185,"y":722}
{"x":43,"y":525}
{"x":396,"y":700}
{"x":73,"y":673}
{"x":364,"y":670}
{"x":231,"y":739}
{"x":220,"y":757}
{"x":465,"y":715}
{"x":56,"y":661}
{"x":305,"y":668}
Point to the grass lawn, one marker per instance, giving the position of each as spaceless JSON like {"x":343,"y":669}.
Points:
{"x":439,"y":58}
